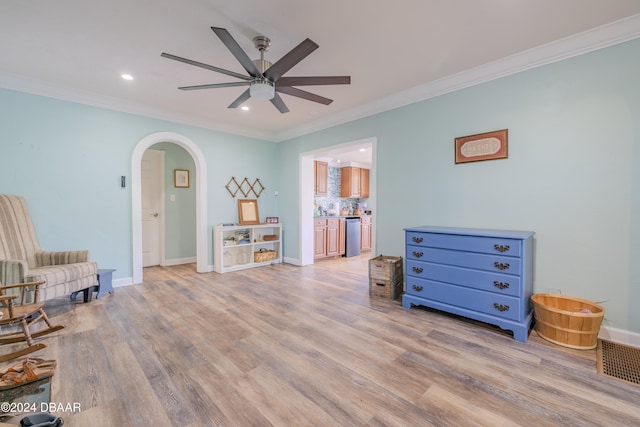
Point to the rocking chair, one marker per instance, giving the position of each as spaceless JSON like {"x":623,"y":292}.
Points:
{"x":23,"y":314}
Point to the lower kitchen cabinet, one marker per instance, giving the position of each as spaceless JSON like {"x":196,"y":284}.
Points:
{"x":366,"y":229}
{"x":328,"y":237}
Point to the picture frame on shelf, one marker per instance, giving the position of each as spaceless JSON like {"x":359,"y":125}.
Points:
{"x":483,"y":146}
{"x":272,"y":220}
{"x":248,"y":211}
{"x":181,"y":178}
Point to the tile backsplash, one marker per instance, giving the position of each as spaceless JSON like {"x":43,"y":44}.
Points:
{"x":333,"y":194}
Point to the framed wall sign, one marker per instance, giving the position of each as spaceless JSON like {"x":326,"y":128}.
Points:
{"x":248,"y":211}
{"x":272,"y":220}
{"x":483,"y":146}
{"x":181,"y":178}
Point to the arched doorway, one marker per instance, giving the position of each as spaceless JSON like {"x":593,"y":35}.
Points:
{"x":136,"y":197}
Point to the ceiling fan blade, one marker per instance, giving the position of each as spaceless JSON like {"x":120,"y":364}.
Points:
{"x":287,"y":62}
{"x":237,"y":51}
{"x":279,"y":104}
{"x":311,"y":81}
{"x":214,"y":86}
{"x":241,"y":99}
{"x":205,"y":66}
{"x":304,"y":94}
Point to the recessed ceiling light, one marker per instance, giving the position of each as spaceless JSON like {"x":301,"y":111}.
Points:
{"x":363,"y":149}
{"x":244,"y":108}
{"x":126,"y":76}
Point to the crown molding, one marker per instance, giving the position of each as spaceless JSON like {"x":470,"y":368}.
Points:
{"x":42,"y":88}
{"x":598,"y":38}
{"x":578,"y":44}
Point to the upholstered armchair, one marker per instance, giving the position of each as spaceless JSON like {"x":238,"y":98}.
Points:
{"x":22,"y":260}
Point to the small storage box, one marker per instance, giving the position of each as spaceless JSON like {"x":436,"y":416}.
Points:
{"x":385,"y":267}
{"x":269,"y":237}
{"x":567,"y":321}
{"x":385,"y":288}
{"x":385,"y":276}
{"x":264,"y":255}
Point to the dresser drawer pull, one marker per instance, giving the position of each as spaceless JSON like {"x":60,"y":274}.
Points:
{"x":417,"y":254}
{"x":501,"y":248}
{"x":501,"y":285}
{"x":500,"y":307}
{"x":417,"y":270}
{"x":417,"y":239}
{"x":417,"y":288}
{"x":499,"y":265}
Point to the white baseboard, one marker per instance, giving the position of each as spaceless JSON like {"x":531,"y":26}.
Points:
{"x":620,"y":336}
{"x":125,"y":281}
{"x":178,"y":261}
{"x":293,"y":261}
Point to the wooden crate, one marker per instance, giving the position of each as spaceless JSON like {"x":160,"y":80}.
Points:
{"x":385,"y":267}
{"x":385,"y":288}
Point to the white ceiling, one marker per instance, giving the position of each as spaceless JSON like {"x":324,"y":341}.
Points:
{"x":396,"y":52}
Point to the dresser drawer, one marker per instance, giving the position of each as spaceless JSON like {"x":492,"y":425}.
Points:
{"x":480,"y":261}
{"x":489,"y":245}
{"x":483,"y":280}
{"x":503,"y":306}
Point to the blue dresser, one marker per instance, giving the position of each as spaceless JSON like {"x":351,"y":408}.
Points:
{"x":486,"y":275}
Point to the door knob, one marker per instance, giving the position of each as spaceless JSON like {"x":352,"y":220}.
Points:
{"x":154,"y":214}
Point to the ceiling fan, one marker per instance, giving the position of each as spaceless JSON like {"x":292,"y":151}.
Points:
{"x":265,"y":79}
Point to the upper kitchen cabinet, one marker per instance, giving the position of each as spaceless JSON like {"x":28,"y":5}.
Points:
{"x":354,"y":182}
{"x":322,"y":178}
{"x":364,"y":183}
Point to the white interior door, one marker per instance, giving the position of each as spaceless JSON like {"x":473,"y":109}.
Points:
{"x":152,"y":197}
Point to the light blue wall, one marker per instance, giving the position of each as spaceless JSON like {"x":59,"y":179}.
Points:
{"x":572,"y":175}
{"x":180,"y":215}
{"x":66,"y":159}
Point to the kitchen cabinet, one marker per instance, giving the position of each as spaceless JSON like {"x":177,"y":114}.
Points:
{"x":366,"y":228}
{"x":486,"y":275}
{"x":321,"y":178}
{"x":235,"y":247}
{"x":354,"y":182}
{"x":328,"y":237}
{"x":350,"y":182}
{"x":342,"y":237}
{"x":319,"y":238}
{"x":332,"y":237}
{"x":364,"y":183}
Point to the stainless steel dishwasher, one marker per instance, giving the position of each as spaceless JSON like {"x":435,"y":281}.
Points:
{"x":352,"y":236}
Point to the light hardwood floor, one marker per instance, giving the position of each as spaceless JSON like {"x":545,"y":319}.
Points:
{"x":306,"y":346}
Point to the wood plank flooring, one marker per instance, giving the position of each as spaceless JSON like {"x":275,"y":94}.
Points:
{"x":306,"y":346}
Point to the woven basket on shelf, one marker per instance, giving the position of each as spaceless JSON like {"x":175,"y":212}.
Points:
{"x":264,"y":255}
{"x":567,"y":321}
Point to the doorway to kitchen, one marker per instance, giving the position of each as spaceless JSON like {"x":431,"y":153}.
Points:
{"x":359,"y":153}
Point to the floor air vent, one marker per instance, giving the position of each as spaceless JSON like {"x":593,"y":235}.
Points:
{"x":619,"y":361}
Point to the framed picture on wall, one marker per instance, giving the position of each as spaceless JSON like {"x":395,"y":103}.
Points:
{"x":272,"y":220}
{"x":181,"y":178}
{"x":248,"y":211}
{"x":483,"y":146}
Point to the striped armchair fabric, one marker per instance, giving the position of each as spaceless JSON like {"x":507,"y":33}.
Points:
{"x":22,"y":260}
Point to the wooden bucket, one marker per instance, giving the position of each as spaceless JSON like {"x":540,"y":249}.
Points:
{"x":567,"y":321}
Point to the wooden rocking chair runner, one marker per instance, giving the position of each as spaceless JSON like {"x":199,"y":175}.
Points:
{"x":23,"y":315}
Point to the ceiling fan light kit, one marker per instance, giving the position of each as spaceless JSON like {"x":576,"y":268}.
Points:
{"x":262,"y":89}
{"x":265,"y":78}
